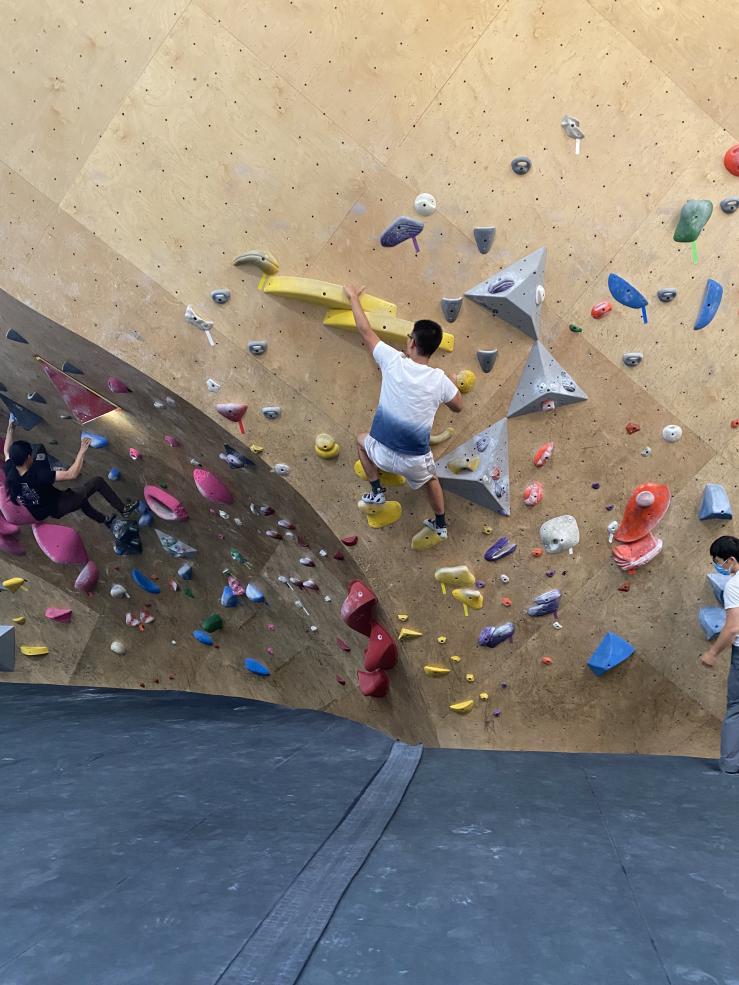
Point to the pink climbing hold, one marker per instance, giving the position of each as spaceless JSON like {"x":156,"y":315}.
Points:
{"x":533,"y":494}
{"x":357,"y":607}
{"x":210,"y":487}
{"x":87,"y":579}
{"x":164,"y":504}
{"x":169,"y":439}
{"x":8,"y":529}
{"x":60,"y":544}
{"x":350,"y":541}
{"x":59,"y":615}
{"x":116,"y":385}
{"x":381,"y":652}
{"x":373,"y":684}
{"x":233,"y":412}
{"x":134,"y":454}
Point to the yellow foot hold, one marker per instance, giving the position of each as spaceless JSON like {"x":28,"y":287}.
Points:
{"x":409,"y":634}
{"x":386,"y":478}
{"x":402,"y":617}
{"x":455,"y":659}
{"x":469,"y":597}
{"x":470,"y":678}
{"x":257,"y":449}
{"x":13,"y":584}
{"x":459,"y":575}
{"x":326,"y":447}
{"x":430,"y":670}
{"x":383,"y":515}
{"x":484,"y":696}
{"x":394,"y":331}
{"x":260,"y":258}
{"x":462,"y":707}
{"x":19,"y":620}
{"x":425,"y":539}
{"x":465,"y":463}
{"x":466,"y":380}
{"x":445,"y":435}
{"x":321,"y":292}
{"x":34,"y":651}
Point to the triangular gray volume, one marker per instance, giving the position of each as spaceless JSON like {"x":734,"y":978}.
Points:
{"x":478,"y":469}
{"x":68,"y":367}
{"x":515,"y":294}
{"x":24,"y":417}
{"x":543,"y":382}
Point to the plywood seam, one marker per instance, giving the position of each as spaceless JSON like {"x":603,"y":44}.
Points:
{"x":38,"y":191}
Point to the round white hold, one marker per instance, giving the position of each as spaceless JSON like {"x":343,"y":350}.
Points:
{"x":645,"y":498}
{"x":117,"y":647}
{"x":425,"y":204}
{"x":540,"y":293}
{"x":672,"y":433}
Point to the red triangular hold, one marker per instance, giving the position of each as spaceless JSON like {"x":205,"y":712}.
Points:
{"x":381,"y":652}
{"x":357,"y":607}
{"x":374,"y":684}
{"x":84,"y":404}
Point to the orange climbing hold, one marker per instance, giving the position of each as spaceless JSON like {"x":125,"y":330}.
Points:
{"x":547,"y":661}
{"x":647,"y":505}
{"x":632,"y":428}
{"x":537,"y":552}
{"x":506,"y":602}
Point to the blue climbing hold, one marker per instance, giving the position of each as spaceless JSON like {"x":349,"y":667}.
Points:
{"x":68,"y":367}
{"x":254,"y":593}
{"x":717,"y":584}
{"x":710,"y":304}
{"x":627,"y":294}
{"x":202,"y":637}
{"x":609,"y":653}
{"x":229,"y":599}
{"x":146,"y":583}
{"x":114,"y":474}
{"x":256,"y":667}
{"x":712,"y":620}
{"x":185,"y":571}
{"x":715,"y":504}
{"x":96,"y":440}
{"x":146,"y":519}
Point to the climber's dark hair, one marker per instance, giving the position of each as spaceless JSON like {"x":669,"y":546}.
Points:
{"x":725,"y":547}
{"x":428,"y":335}
{"x":17,"y":455}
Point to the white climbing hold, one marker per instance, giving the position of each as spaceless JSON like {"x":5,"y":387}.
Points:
{"x":212,"y":385}
{"x":425,"y":204}
{"x":646,"y":452}
{"x":556,"y":625}
{"x":118,"y":592}
{"x":281,"y":469}
{"x":202,"y":323}
{"x":505,"y":579}
{"x":117,"y":647}
{"x":672,"y":433}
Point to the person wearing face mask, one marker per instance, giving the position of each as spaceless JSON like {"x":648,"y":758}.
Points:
{"x":725,"y":555}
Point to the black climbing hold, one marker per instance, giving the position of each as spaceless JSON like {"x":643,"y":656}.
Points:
{"x":14,"y":336}
{"x":36,"y":397}
{"x":450,"y":308}
{"x":521,"y":165}
{"x":68,"y":367}
{"x":484,"y":236}
{"x":24,"y":417}
{"x":666,"y":294}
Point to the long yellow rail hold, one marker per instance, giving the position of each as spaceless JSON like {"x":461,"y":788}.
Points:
{"x":392,"y":330}
{"x":321,"y":292}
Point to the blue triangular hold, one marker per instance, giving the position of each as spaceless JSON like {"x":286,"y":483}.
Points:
{"x":718,"y":584}
{"x":609,"y":653}
{"x":715,"y":504}
{"x":712,"y":620}
{"x":68,"y":367}
{"x":14,"y":336}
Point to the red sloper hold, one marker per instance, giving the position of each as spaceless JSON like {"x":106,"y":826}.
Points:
{"x":647,"y":505}
{"x":381,"y":652}
{"x":350,"y":541}
{"x":357,"y":607}
{"x":731,"y":160}
{"x":233,"y":412}
{"x":84,"y":404}
{"x":373,"y":684}
{"x":59,"y":615}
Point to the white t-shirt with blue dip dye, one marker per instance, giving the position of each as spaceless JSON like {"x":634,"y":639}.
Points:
{"x":410,"y":395}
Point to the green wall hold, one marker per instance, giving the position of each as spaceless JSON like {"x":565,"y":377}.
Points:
{"x":693,"y":216}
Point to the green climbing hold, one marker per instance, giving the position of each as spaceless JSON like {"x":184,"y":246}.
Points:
{"x":211,"y":623}
{"x":188,"y":591}
{"x":693,"y":216}
{"x":576,"y":329}
{"x":237,"y":556}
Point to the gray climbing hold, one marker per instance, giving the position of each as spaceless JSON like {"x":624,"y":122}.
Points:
{"x":7,"y":648}
{"x":14,"y":336}
{"x":543,"y":385}
{"x":36,"y":397}
{"x":257,"y":348}
{"x":729,"y":205}
{"x":521,"y":165}
{"x":221,"y":297}
{"x":271,"y":413}
{"x":632,"y":359}
{"x":515,"y":293}
{"x":571,"y":127}
{"x":483,"y":475}
{"x":715,"y":503}
{"x":68,"y":367}
{"x":24,"y":417}
{"x":712,"y":620}
{"x":486,"y":358}
{"x":450,"y":308}
{"x":717,"y":584}
{"x":484,"y":236}
{"x":666,"y":294}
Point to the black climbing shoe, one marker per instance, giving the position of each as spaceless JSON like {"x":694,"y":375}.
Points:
{"x":131,"y":506}
{"x":108,"y":521}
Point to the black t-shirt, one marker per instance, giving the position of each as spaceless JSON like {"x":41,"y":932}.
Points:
{"x":37,"y":492}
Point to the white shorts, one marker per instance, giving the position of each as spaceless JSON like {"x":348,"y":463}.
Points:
{"x":416,"y":469}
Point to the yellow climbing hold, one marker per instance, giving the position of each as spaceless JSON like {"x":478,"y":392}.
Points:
{"x":321,"y":292}
{"x":441,"y":639}
{"x":402,"y":617}
{"x":19,"y":620}
{"x":326,"y":447}
{"x":462,"y":707}
{"x":487,"y":529}
{"x":445,"y":435}
{"x":13,"y":584}
{"x":257,"y":449}
{"x":394,"y":331}
{"x":455,"y":658}
{"x":386,"y":478}
{"x":431,"y":670}
{"x":465,"y":463}
{"x":425,"y":539}
{"x":382,"y":515}
{"x":466,"y":380}
{"x":470,"y":678}
{"x":34,"y":651}
{"x":459,"y":575}
{"x":484,"y":695}
{"x":409,"y":634}
{"x":469,"y":597}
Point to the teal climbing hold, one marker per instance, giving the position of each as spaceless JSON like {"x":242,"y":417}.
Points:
{"x":202,"y":637}
{"x":256,"y":667}
{"x":609,"y":653}
{"x":710,"y":304}
{"x":146,"y":583}
{"x":627,"y":294}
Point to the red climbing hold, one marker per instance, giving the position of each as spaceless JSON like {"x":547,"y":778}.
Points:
{"x":60,"y":544}
{"x":350,"y":541}
{"x":647,"y":505}
{"x":59,"y":615}
{"x":381,"y":652}
{"x":600,"y":309}
{"x":735,"y":423}
{"x":506,"y":602}
{"x":357,"y":607}
{"x":373,"y":684}
{"x":340,"y":680}
{"x":547,"y":661}
{"x":632,"y":428}
{"x":342,"y":645}
{"x":338,"y":556}
{"x":233,"y":412}
{"x":731,"y":160}
{"x":626,"y":587}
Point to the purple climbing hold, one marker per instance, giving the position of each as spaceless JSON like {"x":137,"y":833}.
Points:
{"x":491,"y":636}
{"x":545,"y":603}
{"x":400,"y":230}
{"x":500,"y":549}
{"x":60,"y":544}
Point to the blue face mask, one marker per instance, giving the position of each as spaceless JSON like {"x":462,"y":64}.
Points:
{"x":721,"y":571}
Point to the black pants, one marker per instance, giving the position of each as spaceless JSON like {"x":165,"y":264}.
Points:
{"x":79,"y":499}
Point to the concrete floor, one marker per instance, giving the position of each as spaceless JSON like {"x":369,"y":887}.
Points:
{"x":147,"y":835}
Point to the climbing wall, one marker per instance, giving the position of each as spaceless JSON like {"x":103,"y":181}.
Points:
{"x":145,"y":148}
